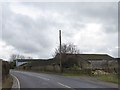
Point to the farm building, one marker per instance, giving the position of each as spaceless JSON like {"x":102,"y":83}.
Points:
{"x":93,"y":61}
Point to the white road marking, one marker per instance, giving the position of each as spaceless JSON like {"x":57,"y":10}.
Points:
{"x":43,"y":78}
{"x":17,"y":80}
{"x":63,"y":85}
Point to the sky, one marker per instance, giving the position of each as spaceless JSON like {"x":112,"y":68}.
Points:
{"x":32,"y":28}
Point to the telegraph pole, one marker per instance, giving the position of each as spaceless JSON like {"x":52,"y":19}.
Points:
{"x":60,"y":51}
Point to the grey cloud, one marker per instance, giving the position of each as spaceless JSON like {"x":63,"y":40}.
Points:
{"x":100,"y":12}
{"x":26,"y":34}
{"x":41,"y":36}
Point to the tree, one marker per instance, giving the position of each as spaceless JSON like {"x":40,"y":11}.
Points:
{"x":29,"y":57}
{"x":14,"y":57}
{"x":18,"y":56}
{"x":67,"y":49}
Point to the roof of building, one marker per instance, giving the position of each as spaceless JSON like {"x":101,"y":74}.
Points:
{"x":117,"y":58}
{"x":96,"y":57}
{"x":92,"y":56}
{"x":25,"y":60}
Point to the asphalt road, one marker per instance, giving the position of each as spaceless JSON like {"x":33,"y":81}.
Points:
{"x":41,"y":80}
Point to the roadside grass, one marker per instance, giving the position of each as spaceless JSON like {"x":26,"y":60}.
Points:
{"x":74,"y":74}
{"x":7,"y":83}
{"x":71,"y":74}
{"x":112,"y":78}
{"x":109,"y":78}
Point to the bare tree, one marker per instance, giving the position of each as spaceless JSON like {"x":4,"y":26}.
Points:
{"x":13,"y":57}
{"x":18,"y":56}
{"x":67,"y":49}
{"x":29,"y":57}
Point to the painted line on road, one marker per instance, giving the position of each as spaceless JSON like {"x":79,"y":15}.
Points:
{"x":17,"y":80}
{"x":64,"y":85}
{"x":43,"y":78}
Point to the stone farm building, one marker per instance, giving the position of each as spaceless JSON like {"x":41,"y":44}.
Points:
{"x":91,"y":61}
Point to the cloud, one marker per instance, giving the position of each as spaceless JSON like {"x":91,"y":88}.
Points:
{"x":6,"y":50}
{"x":32,"y":28}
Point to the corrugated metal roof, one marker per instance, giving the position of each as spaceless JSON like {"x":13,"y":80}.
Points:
{"x":96,"y":56}
{"x":25,"y":60}
{"x":93,"y":56}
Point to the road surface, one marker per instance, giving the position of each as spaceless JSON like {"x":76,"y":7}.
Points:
{"x":42,"y":80}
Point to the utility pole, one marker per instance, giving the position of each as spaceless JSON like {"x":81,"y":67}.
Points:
{"x":60,"y":51}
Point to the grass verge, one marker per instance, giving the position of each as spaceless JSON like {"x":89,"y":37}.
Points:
{"x":7,"y":84}
{"x":109,"y":78}
{"x":73,"y":74}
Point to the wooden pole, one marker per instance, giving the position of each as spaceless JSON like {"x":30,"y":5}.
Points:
{"x":60,"y":51}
